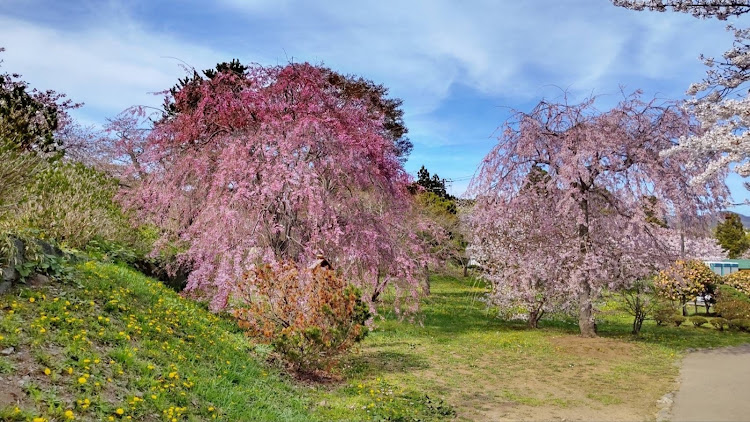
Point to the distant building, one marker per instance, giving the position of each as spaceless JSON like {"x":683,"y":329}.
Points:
{"x":728,"y":266}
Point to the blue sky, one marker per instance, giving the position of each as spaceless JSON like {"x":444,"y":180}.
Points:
{"x":459,"y":66}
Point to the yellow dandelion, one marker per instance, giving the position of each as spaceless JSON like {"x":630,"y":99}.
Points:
{"x":82,"y":380}
{"x":47,"y":371}
{"x":69,"y":414}
{"x":32,"y":300}
{"x":119,"y":411}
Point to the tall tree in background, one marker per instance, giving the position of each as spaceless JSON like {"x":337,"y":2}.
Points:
{"x":602,"y":171}
{"x":731,"y":235}
{"x":433,"y":183}
{"x":280,"y":163}
{"x":721,"y":102}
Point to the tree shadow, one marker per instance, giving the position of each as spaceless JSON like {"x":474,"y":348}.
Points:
{"x":383,"y":361}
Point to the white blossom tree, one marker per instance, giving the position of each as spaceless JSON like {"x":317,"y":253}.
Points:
{"x":721,"y":102}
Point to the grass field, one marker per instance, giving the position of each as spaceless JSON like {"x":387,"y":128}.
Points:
{"x":115,"y":345}
{"x":462,"y":360}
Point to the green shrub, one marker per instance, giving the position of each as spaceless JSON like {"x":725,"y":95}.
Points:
{"x":677,"y":320}
{"x":72,"y":204}
{"x":698,"y":321}
{"x":719,"y":323}
{"x":732,"y":303}
{"x":664,"y":315}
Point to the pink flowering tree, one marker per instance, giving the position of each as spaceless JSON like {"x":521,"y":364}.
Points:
{"x":262,"y":164}
{"x":593,"y":221}
{"x":518,"y":248}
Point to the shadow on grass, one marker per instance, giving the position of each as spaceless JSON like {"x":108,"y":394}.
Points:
{"x":378,"y":362}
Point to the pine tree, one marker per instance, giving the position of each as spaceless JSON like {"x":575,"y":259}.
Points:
{"x":731,"y":235}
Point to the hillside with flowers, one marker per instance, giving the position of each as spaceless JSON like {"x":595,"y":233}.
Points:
{"x":114,"y":345}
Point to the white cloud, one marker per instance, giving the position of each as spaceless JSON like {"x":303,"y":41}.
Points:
{"x":108,"y":67}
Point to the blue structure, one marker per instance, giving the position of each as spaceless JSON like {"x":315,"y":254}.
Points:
{"x":723,"y":267}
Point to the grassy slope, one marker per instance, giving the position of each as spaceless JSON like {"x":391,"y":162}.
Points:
{"x":488,"y":369}
{"x":122,"y":341}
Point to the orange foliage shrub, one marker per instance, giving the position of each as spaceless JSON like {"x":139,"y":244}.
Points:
{"x":310,"y":316}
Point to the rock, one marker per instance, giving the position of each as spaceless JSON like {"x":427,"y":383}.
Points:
{"x":5,"y":285}
{"x":7,"y":352}
{"x":16,"y":258}
{"x":38,"y":280}
{"x":24,"y":380}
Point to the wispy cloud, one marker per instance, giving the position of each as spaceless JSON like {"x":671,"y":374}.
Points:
{"x":449,"y":61}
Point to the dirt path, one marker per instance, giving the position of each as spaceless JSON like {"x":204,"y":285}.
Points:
{"x":715,"y":386}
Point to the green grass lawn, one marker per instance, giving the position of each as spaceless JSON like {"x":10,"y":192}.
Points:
{"x":462,"y":360}
{"x":116,"y":345}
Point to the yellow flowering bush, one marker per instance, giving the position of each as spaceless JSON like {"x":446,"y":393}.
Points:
{"x":739,"y":280}
{"x":685,"y":280}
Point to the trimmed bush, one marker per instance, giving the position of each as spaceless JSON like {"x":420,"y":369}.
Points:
{"x":719,"y":323}
{"x":698,"y":321}
{"x":664,"y":315}
{"x":677,"y":320}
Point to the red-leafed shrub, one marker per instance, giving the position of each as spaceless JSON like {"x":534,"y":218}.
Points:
{"x":310,"y":316}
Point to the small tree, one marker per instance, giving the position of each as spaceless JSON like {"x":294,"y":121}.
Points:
{"x":731,"y":235}
{"x":433,"y":184}
{"x":639,"y":300}
{"x":685,"y":280}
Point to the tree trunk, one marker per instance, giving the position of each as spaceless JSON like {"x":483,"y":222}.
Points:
{"x":466,"y":269}
{"x":585,"y":305}
{"x":637,"y":324}
{"x":586,"y":311}
{"x":426,"y":281}
{"x":534,"y":316}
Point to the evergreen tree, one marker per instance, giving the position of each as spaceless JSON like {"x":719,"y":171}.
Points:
{"x":731,"y":235}
{"x":432,"y":183}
